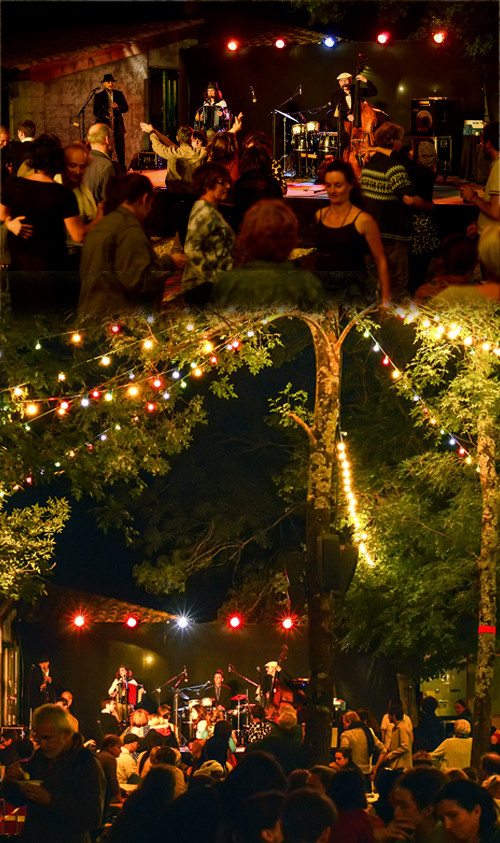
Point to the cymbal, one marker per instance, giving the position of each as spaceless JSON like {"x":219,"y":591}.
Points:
{"x":239,"y":698}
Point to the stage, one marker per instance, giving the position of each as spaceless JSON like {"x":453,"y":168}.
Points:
{"x":451,"y":214}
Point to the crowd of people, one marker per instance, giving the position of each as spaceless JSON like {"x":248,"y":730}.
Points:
{"x":74,"y":225}
{"x":386,"y":782}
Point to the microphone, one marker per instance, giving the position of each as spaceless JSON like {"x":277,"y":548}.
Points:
{"x":254,"y":98}
{"x":95,"y":89}
{"x":230,"y":668}
{"x":185,"y":674}
{"x":300,"y":90}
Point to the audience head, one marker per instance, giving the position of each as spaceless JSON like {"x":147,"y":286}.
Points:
{"x":76,"y":161}
{"x":199,"y":139}
{"x":258,"y":819}
{"x":343,"y":756}
{"x":460,"y":705}
{"x":389,"y":135}
{"x":164,"y":755}
{"x":222,"y":148}
{"x":287,"y":720}
{"x":54,"y":730}
{"x":490,"y":139}
{"x":46,"y":155}
{"x":269,"y":231}
{"x":462,"y":728}
{"x":490,"y":764}
{"x":339,"y":175}
{"x":26,"y":129}
{"x":258,"y":713}
{"x":136,"y":192}
{"x":112,"y":744}
{"x":256,"y":772}
{"x":165,"y":711}
{"x":259,"y":139}
{"x":131,"y":741}
{"x":319,"y":777}
{"x":395,"y":713}
{"x":4,"y":136}
{"x":140,"y":716}
{"x":350,"y":717}
{"x":100,"y":137}
{"x":307,"y":817}
{"x":208,"y":176}
{"x":185,"y":134}
{"x":467,"y":810}
{"x":429,"y":705}
{"x":297,"y":779}
{"x":415,"y":793}
{"x":347,"y":790}
{"x":255,"y":161}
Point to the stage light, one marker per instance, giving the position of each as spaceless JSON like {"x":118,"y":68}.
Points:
{"x":232,"y":45}
{"x":287,"y":623}
{"x":329,"y":42}
{"x":279,"y":43}
{"x":383,"y":37}
{"x":79,"y":621}
{"x":234,"y":621}
{"x":439,"y":37}
{"x":183,"y":622}
{"x":131,"y":622}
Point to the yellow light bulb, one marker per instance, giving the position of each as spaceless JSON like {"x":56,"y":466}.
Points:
{"x":148,"y":344}
{"x":61,"y":376}
{"x":133,"y":391}
{"x":18,"y":392}
{"x":208,"y":347}
{"x":197,"y":372}
{"x":76,"y":338}
{"x":105,"y":360}
{"x":32,"y":409}
{"x":468,"y":341}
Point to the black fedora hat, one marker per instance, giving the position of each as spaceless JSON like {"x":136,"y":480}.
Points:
{"x":108,"y":77}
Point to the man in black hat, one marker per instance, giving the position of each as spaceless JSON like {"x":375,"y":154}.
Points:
{"x":109,"y":105}
{"x":41,"y":688}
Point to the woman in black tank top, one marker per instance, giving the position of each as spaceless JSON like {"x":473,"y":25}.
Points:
{"x":345,"y":234}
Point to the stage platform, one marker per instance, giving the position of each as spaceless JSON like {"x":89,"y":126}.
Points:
{"x":451,"y":214}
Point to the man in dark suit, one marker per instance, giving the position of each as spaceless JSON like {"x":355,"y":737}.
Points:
{"x":41,"y":688}
{"x":109,"y":105}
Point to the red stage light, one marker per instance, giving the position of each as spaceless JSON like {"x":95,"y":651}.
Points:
{"x":115,"y":329}
{"x":439,"y":37}
{"x":131,"y":622}
{"x":287,"y":623}
{"x":383,"y":37}
{"x":235,"y":621}
{"x":79,"y":621}
{"x":279,"y":43}
{"x":232,"y":45}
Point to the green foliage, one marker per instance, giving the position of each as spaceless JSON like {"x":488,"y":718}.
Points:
{"x":27,"y":544}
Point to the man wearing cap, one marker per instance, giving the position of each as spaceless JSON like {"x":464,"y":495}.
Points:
{"x":126,"y":765}
{"x":343,"y":98}
{"x":109,"y":105}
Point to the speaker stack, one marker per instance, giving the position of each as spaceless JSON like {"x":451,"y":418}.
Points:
{"x":433,"y":120}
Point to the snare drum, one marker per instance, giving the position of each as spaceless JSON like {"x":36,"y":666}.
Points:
{"x":328,"y":143}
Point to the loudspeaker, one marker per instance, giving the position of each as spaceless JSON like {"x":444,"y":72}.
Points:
{"x":336,"y":564}
{"x":431,"y":116}
{"x":148,"y":161}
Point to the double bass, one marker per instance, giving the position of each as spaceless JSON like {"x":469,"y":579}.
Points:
{"x":361,"y":129}
{"x":279,"y":693}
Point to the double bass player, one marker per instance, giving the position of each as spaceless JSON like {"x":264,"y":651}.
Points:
{"x":346,"y":103}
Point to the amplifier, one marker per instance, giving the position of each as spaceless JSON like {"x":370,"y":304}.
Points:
{"x":148,"y":161}
{"x":432,"y":116}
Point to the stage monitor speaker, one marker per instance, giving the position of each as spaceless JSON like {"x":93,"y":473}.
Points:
{"x":431,"y":116}
{"x":336,"y":564}
{"x":148,"y":161}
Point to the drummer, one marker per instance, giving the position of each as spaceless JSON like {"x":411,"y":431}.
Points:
{"x":220,"y":693}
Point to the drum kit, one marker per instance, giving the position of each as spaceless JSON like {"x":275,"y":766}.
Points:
{"x":238,"y":715}
{"x":310,"y":147}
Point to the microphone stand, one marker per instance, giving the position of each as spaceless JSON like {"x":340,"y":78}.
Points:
{"x":81,"y":114}
{"x":177,"y":679}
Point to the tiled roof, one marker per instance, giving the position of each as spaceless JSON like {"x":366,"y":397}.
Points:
{"x":60,"y":605}
{"x":28,"y":50}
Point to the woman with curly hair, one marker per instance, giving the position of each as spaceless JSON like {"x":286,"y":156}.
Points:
{"x":210,"y":239}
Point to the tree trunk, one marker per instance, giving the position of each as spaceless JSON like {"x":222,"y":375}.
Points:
{"x":322,"y":461}
{"x":487,"y":566}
